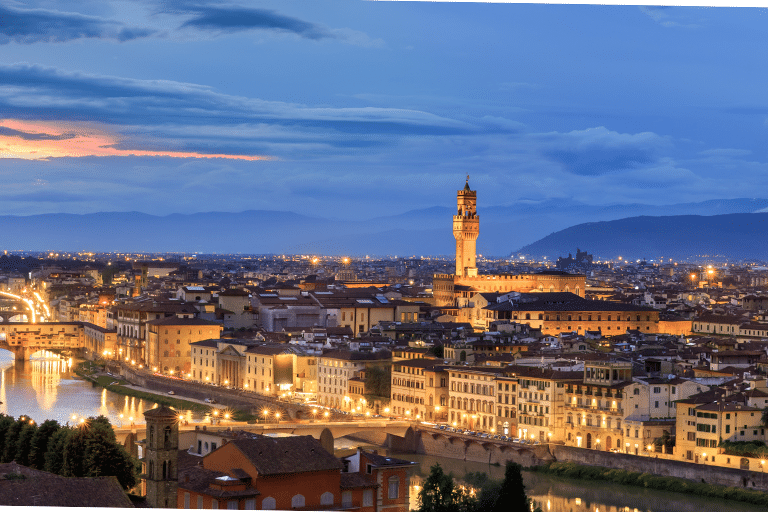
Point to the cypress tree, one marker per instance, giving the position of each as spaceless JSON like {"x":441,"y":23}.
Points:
{"x":512,"y":496}
{"x":40,"y":443}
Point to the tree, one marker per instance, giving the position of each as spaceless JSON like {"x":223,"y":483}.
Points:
{"x":12,"y":439}
{"x":440,"y":494}
{"x":105,"y":458}
{"x":512,"y":496}
{"x":54,"y":453}
{"x":40,"y":443}
{"x":764,"y":417}
{"x":436,"y":495}
{"x":5,"y":424}
{"x":92,"y":450}
{"x":24,"y":445}
{"x":378,"y":380}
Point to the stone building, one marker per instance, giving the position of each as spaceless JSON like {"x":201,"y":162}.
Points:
{"x":466,"y":281}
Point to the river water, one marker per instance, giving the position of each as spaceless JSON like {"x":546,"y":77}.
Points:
{"x":48,"y":389}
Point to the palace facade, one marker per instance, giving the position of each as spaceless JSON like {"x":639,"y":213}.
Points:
{"x":447,"y":289}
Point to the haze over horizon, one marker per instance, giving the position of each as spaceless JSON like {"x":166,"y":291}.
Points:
{"x":369,"y":109}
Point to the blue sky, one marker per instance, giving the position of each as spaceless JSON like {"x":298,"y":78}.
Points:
{"x":368,"y":108}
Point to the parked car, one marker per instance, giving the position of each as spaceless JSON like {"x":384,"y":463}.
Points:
{"x":171,"y":392}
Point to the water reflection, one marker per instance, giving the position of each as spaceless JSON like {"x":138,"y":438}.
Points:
{"x":45,"y":387}
{"x":555,"y":494}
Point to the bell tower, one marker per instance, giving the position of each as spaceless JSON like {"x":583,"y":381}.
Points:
{"x":160,"y":456}
{"x":466,"y":225}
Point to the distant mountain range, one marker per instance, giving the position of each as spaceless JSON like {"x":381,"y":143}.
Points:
{"x":736,"y":236}
{"x":418,"y":232}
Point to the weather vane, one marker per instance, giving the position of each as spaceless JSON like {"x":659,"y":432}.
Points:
{"x":467,"y":178}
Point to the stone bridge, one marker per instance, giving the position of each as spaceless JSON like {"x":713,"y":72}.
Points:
{"x":23,"y":350}
{"x":433,"y":441}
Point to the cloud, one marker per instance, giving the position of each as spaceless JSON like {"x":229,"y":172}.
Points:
{"x":29,"y":26}
{"x":174,"y":117}
{"x":219,"y":18}
{"x":84,"y":140}
{"x":598,"y":151}
{"x":10,"y":132}
{"x":233,"y":18}
{"x":666,"y":16}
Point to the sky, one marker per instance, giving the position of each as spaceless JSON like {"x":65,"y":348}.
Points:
{"x":362,"y":109}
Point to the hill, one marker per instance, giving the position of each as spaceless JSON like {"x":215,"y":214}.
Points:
{"x":735,"y":236}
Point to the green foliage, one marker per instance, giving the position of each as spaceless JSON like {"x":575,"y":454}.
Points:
{"x":54,"y":455}
{"x":764,"y":417}
{"x":92,"y":450}
{"x":755,"y":449}
{"x":106,"y":458}
{"x":40,"y":443}
{"x":440,"y":494}
{"x":512,"y":492}
{"x":665,"y":483}
{"x":378,"y":380}
{"x":5,"y":424}
{"x":24,"y":445}
{"x":12,"y":440}
{"x":438,"y":351}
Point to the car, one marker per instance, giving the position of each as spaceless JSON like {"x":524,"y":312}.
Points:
{"x":516,"y":440}
{"x":171,"y":392}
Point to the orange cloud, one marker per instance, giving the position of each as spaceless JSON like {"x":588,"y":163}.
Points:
{"x":41,"y":140}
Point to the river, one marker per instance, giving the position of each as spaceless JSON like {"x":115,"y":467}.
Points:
{"x":556,"y":494}
{"x":46,"y":388}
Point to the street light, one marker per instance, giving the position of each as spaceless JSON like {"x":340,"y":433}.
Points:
{"x":265,"y":412}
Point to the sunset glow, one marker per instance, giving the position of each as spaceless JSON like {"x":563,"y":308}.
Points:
{"x":41,"y":140}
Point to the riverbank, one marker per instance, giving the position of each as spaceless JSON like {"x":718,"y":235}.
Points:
{"x":646,"y":480}
{"x":116,"y":384}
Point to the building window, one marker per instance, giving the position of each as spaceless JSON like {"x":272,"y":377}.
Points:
{"x":186,"y":500}
{"x":368,"y":498}
{"x":346,"y":499}
{"x":268,"y":503}
{"x":199,"y":502}
{"x":250,"y":504}
{"x":297,"y":501}
{"x":214,"y":504}
{"x":394,"y":488}
{"x":232,"y":505}
{"x":326,"y":498}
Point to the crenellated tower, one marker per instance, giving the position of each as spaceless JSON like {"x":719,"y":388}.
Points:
{"x":466,"y":226}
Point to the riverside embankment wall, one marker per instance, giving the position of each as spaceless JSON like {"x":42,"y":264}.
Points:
{"x":663,"y":467}
{"x":464,"y":448}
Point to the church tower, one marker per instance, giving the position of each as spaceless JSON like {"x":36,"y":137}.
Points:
{"x":161,"y":453}
{"x":466,"y":225}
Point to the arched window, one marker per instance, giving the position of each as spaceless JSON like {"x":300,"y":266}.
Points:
{"x":268,"y":503}
{"x":151,"y":469}
{"x":167,"y":437}
{"x":326,"y":498}
{"x":297,"y":501}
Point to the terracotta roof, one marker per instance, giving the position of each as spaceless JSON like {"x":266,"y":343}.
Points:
{"x":161,"y":411}
{"x":356,"y":481}
{"x":285,"y":455}
{"x":29,"y":487}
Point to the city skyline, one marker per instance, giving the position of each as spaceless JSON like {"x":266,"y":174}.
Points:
{"x":374,"y":108}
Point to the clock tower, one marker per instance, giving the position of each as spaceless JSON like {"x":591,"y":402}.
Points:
{"x":466,"y":225}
